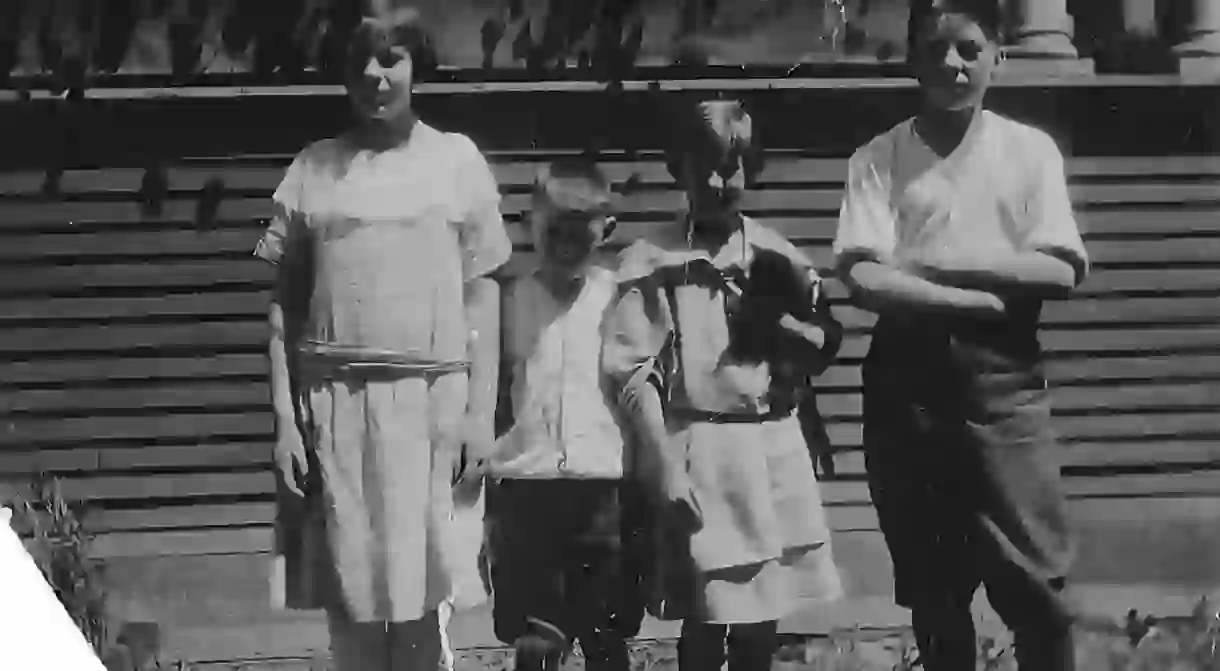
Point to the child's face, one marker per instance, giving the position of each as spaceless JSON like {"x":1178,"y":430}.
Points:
{"x":380,"y":76}
{"x":955,"y":61}
{"x":568,"y":239}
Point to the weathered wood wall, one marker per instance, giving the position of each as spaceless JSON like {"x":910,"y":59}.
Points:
{"x":131,"y":347}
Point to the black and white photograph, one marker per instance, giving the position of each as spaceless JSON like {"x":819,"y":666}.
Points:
{"x":615,"y":335}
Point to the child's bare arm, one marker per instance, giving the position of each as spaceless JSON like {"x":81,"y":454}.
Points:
{"x":1031,"y":274}
{"x":633,"y":342}
{"x":286,"y":316}
{"x":482,"y":298}
{"x":486,"y":249}
{"x":283,"y":318}
{"x":882,"y":288}
{"x":504,"y":417}
{"x":639,"y":342}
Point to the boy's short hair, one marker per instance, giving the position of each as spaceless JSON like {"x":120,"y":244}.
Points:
{"x":703,"y":125}
{"x":395,"y":26}
{"x":989,"y":14}
{"x":574,"y":185}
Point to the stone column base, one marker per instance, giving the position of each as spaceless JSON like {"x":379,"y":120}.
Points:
{"x":1019,"y":67}
{"x":1044,"y":54}
{"x":1042,"y":44}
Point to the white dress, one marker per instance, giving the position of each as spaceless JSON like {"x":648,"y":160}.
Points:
{"x":387,"y":241}
{"x":765,"y":542}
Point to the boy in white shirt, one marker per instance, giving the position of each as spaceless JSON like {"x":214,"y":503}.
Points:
{"x":559,"y":511}
{"x":955,"y":227}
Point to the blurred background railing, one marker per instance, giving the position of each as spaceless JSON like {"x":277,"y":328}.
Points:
{"x":61,"y":44}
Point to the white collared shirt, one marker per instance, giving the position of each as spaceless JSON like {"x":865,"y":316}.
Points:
{"x":1002,"y":189}
{"x":566,"y":423}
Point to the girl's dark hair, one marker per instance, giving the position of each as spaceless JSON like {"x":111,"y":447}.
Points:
{"x":699,"y":126}
{"x":396,"y":27}
{"x":989,"y":14}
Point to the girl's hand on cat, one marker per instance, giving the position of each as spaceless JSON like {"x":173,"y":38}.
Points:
{"x":792,"y":326}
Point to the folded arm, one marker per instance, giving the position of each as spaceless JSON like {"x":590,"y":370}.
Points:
{"x":1049,"y":261}
{"x":1028,"y":274}
{"x":885,"y":289}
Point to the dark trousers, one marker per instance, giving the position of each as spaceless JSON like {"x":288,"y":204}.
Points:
{"x":963,"y":471}
{"x":746,"y":647}
{"x":563,"y":569}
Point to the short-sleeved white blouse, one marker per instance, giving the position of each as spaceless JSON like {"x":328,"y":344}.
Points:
{"x":389,"y":238}
{"x":1003,"y":189}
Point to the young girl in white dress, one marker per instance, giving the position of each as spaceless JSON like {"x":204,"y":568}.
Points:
{"x":711,"y":370}
{"x":384,"y":355}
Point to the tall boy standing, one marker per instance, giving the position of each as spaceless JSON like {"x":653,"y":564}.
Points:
{"x":956,"y":225}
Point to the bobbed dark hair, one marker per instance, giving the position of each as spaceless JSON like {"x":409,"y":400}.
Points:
{"x":988,"y":14}
{"x":574,"y":185}
{"x":379,"y":28}
{"x":701,"y":125}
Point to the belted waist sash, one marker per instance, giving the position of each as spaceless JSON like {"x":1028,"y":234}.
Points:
{"x":718,"y":417}
{"x":327,"y":361}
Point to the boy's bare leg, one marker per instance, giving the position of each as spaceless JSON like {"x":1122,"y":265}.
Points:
{"x":443,"y":614}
